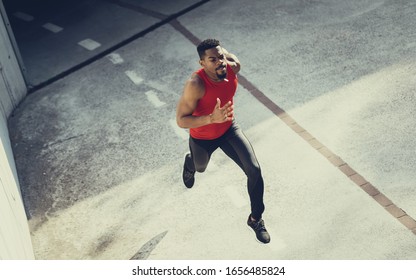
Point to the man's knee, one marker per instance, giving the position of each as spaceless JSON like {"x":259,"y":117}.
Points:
{"x":201,"y":164}
{"x":200,"y":168}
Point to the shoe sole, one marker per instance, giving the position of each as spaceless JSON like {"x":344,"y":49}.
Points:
{"x":255,"y":236}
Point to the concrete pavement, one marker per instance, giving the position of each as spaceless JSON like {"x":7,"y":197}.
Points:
{"x":100,"y":158}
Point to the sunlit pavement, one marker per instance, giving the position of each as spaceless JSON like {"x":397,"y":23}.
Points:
{"x":327,"y":103}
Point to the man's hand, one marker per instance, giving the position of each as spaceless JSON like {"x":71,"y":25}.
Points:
{"x":222,"y":114}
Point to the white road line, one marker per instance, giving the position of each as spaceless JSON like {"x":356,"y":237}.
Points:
{"x":154,"y":99}
{"x":236,"y":198}
{"x":23,"y":16}
{"x":89,"y":44}
{"x":115,"y":58}
{"x":136,"y":79}
{"x":181,"y":133}
{"x":161,"y":87}
{"x":52,"y":27}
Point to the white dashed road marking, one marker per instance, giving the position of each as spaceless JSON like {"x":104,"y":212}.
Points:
{"x":23,"y":16}
{"x":136,"y":79}
{"x":181,"y":133}
{"x":89,"y":44}
{"x":52,"y":27}
{"x":115,"y":58}
{"x":152,"y":97}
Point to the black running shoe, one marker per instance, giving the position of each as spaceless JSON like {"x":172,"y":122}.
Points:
{"x":187,"y":175}
{"x":260,"y":230}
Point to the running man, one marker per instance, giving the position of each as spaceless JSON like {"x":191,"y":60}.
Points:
{"x":206,"y":108}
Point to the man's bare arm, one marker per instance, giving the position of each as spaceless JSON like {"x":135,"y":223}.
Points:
{"x":232,"y":60}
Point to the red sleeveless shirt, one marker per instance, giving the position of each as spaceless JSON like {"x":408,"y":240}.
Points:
{"x":223,"y":90}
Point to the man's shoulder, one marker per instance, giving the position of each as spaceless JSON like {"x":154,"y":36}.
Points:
{"x":196,"y":84}
{"x":196,"y":81}
{"x":232,"y":73}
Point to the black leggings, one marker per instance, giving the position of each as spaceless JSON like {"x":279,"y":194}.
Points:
{"x":236,"y":146}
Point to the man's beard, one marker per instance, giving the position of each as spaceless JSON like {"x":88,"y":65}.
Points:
{"x":222,"y":76}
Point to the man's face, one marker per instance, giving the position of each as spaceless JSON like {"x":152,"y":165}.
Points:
{"x":214,"y":63}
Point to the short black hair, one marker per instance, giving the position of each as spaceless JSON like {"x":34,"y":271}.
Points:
{"x":206,"y":45}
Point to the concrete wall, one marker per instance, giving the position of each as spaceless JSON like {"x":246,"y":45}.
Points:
{"x":15,"y":242}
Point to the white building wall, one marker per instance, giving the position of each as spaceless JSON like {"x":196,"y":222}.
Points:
{"x":15,"y":241}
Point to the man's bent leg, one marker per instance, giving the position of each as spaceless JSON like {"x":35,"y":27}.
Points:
{"x":201,"y":151}
{"x":198,"y":159}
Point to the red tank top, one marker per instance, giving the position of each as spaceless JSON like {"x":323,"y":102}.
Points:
{"x":223,"y":90}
